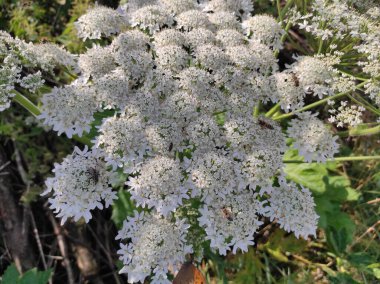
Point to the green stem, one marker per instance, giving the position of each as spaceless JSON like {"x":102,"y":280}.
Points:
{"x":317,"y":103}
{"x":27,"y":104}
{"x":286,"y":8}
{"x":320,"y":46}
{"x":356,"y":77}
{"x":273,"y":110}
{"x":287,"y":27}
{"x":256,"y":110}
{"x":35,"y":111}
{"x":278,"y":3}
{"x":365,"y":104}
{"x":360,"y":131}
{"x":339,"y":159}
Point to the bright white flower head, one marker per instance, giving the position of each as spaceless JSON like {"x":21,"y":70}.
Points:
{"x":245,"y":134}
{"x":81,"y":184}
{"x":230,"y":37}
{"x":224,"y":20}
{"x":255,"y":57}
{"x":160,"y":185}
{"x":48,"y":56}
{"x":169,"y":37}
{"x":99,"y":22}
{"x":232,"y":221}
{"x":241,"y":8}
{"x":213,"y":175}
{"x":122,"y":139}
{"x":69,"y":109}
{"x":151,"y":18}
{"x":312,"y":139}
{"x":211,"y":57}
{"x":293,"y":209}
{"x":96,"y":62}
{"x":290,"y":93}
{"x":164,"y":136}
{"x":32,"y":82}
{"x":264,"y":29}
{"x":182,"y":81}
{"x":315,"y":74}
{"x":112,"y":89}
{"x":199,"y":37}
{"x":9,"y":76}
{"x":172,"y":57}
{"x":350,"y":115}
{"x":193,"y":19}
{"x":259,"y":167}
{"x":204,"y":133}
{"x":155,"y":245}
{"x":179,"y":6}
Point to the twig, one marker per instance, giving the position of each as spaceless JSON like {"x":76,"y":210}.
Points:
{"x":106,"y":252}
{"x":369,"y":230}
{"x":63,"y":248}
{"x":38,"y":240}
{"x":377,"y":200}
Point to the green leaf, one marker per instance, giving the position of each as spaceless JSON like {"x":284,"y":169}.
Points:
{"x":309,"y":175}
{"x":122,"y":208}
{"x":33,"y":276}
{"x":360,"y":259}
{"x":342,"y":278}
{"x":280,"y":242}
{"x":376,"y":272}
{"x":10,"y":275}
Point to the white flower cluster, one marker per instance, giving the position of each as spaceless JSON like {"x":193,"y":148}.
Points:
{"x":294,"y":209}
{"x":348,"y":32}
{"x":22,"y":63}
{"x":100,"y":21}
{"x":182,"y":80}
{"x":155,"y":243}
{"x":69,"y":109}
{"x":346,"y":115}
{"x":81,"y":184}
{"x":312,"y":139}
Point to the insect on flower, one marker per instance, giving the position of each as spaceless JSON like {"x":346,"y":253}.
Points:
{"x":44,"y":40}
{"x":227,"y":213}
{"x":295,"y":79}
{"x":170,"y":147}
{"x":93,"y":174}
{"x":263,"y":124}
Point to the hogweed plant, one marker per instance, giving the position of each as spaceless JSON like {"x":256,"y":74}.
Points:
{"x":188,"y":83}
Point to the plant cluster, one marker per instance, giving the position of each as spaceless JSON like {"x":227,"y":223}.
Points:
{"x":182,"y":85}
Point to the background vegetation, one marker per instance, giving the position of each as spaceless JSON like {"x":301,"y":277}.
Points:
{"x":347,"y":195}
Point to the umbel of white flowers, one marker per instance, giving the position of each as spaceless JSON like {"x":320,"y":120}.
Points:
{"x":183,"y":78}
